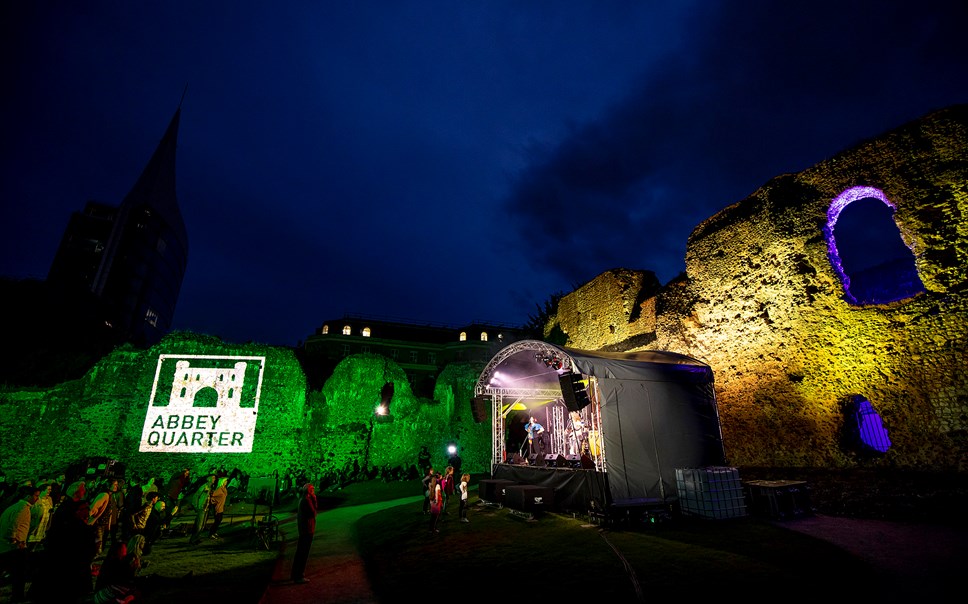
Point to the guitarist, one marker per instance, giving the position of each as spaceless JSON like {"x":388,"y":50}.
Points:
{"x":535,"y":431}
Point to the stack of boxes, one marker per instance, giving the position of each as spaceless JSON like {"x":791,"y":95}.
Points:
{"x":712,"y":492}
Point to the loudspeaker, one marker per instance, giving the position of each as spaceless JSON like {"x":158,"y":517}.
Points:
{"x":536,"y":460}
{"x":529,"y":498}
{"x":517,"y":460}
{"x":493,"y":489}
{"x":479,"y":408}
{"x":573,"y":391}
{"x":551,"y":460}
{"x":587,"y":463}
{"x":570,"y":461}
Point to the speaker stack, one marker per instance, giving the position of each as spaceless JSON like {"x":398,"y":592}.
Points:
{"x":573,"y":391}
{"x":479,"y":406}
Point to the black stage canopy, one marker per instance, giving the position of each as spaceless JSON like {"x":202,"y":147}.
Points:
{"x":656,"y":412}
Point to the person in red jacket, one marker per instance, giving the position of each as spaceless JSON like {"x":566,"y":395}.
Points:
{"x":306,"y":527}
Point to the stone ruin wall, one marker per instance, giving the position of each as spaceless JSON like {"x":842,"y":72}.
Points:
{"x":761,"y":304}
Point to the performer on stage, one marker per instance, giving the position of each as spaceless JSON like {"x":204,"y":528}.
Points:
{"x":576,"y":433}
{"x":535,"y":431}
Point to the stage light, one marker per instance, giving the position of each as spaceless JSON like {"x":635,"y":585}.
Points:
{"x":553,"y":360}
{"x":451,"y":449}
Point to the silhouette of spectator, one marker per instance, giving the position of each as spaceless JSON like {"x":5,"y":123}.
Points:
{"x":64,"y":574}
{"x":76,"y":491}
{"x":306,"y":528}
{"x":174,"y":493}
{"x":201,"y":500}
{"x":425,"y":482}
{"x":14,"y":531}
{"x":115,"y":579}
{"x":40,"y":514}
{"x":219,"y":496}
{"x":138,"y":519}
{"x":57,"y":490}
{"x":155,"y":522}
{"x":153,"y":485}
{"x":456,"y":462}
{"x":133,"y":504}
{"x":101,"y":513}
{"x":116,"y":508}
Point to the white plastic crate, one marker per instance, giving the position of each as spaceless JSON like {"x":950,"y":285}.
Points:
{"x":713,"y":492}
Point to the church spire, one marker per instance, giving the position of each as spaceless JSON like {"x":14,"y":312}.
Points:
{"x":155,"y":187}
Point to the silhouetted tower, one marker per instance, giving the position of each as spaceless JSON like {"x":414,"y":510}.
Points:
{"x":131,"y":257}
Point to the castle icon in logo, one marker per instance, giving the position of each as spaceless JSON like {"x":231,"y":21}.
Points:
{"x":181,"y":425}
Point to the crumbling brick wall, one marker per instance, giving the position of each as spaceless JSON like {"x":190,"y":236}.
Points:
{"x":763,"y":305}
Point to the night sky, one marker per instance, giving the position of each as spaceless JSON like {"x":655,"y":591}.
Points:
{"x":447,"y":162}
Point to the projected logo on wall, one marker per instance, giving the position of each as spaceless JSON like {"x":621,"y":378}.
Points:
{"x":203,"y":404}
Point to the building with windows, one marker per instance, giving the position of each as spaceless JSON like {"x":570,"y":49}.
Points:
{"x":420,"y":349}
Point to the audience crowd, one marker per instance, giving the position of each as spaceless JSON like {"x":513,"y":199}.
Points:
{"x":82,"y":537}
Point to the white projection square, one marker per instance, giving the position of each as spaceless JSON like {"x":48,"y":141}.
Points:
{"x":203,"y":404}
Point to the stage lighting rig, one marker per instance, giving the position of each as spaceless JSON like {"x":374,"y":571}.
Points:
{"x":549,"y":360}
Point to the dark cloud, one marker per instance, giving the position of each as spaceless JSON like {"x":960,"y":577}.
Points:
{"x":440,"y":161}
{"x":764,"y":89}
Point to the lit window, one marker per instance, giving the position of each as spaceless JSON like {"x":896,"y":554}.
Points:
{"x":483,"y":336}
{"x":366,"y":332}
{"x":325,"y":329}
{"x":463,"y":336}
{"x":151,"y":317}
{"x":346,"y":330}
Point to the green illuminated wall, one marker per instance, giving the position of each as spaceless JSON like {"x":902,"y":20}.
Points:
{"x":319,"y":434}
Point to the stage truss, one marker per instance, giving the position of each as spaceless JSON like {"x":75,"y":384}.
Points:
{"x":541,"y":388}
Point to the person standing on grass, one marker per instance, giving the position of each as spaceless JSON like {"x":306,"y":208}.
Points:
{"x":201,"y":500}
{"x":306,"y":527}
{"x":426,"y":486}
{"x":219,"y":496}
{"x":448,"y":487}
{"x":465,"y":480}
{"x":14,"y":530}
{"x":436,"y":503}
{"x":174,"y":494}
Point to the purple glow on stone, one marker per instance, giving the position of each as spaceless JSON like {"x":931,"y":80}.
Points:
{"x":872,"y":431}
{"x":833,"y":213}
